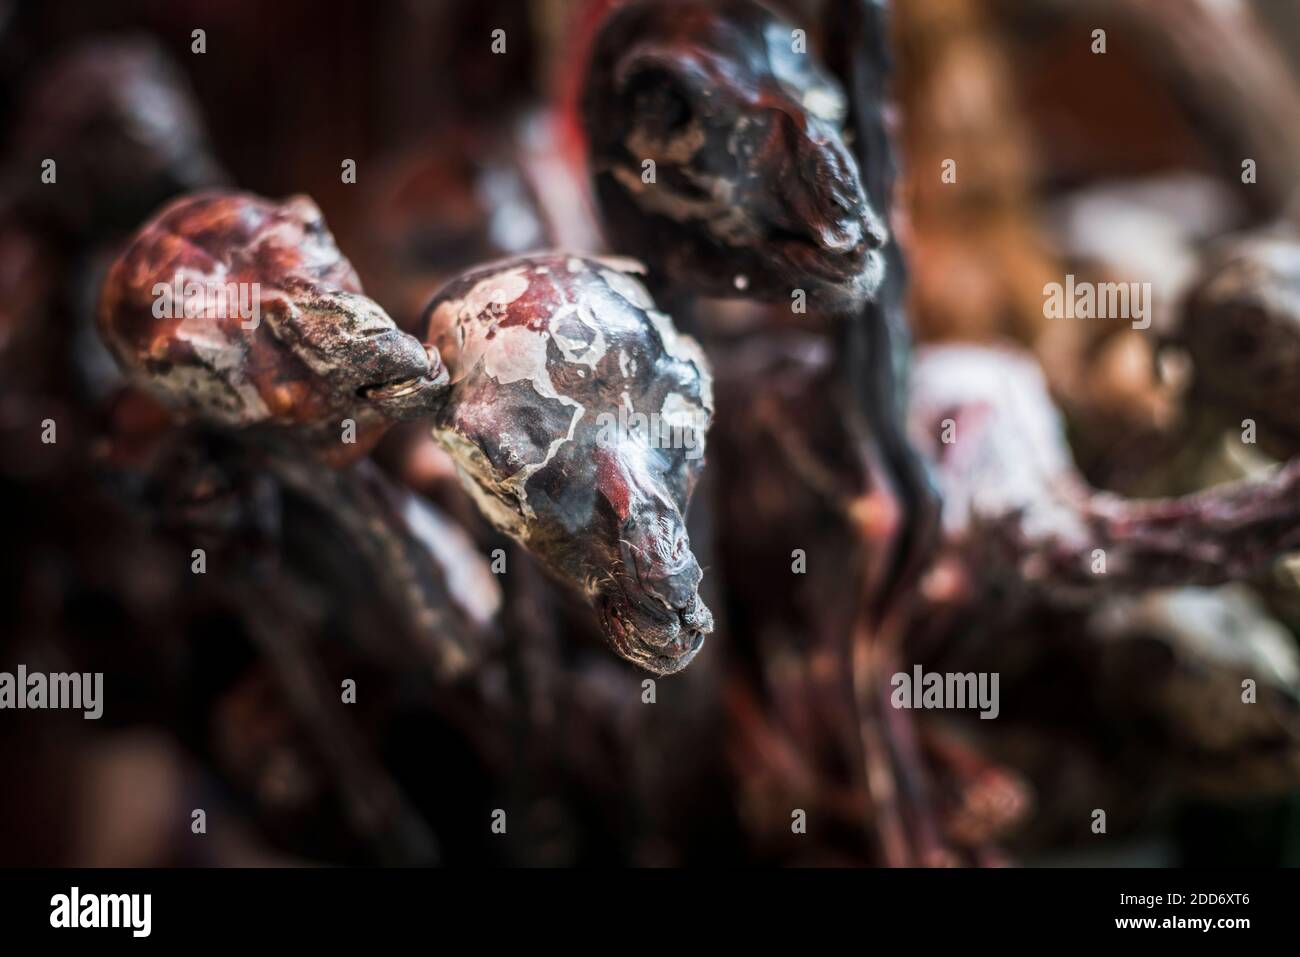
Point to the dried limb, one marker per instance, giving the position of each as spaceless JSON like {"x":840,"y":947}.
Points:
{"x":1017,"y":511}
{"x":874,"y":355}
{"x":231,"y":497}
{"x":376,"y":806}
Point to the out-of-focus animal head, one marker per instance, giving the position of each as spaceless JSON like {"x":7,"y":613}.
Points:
{"x":122,"y":123}
{"x":717,"y":146}
{"x":577,"y":416}
{"x":1240,"y":326}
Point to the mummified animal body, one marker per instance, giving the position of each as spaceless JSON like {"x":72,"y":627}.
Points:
{"x":556,"y":364}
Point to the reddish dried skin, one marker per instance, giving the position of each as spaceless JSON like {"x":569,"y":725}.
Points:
{"x":319,"y":352}
{"x":543,"y":353}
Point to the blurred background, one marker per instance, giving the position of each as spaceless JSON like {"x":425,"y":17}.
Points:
{"x":1127,"y":165}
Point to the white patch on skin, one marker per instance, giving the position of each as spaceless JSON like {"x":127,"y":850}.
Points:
{"x":579,"y":351}
{"x":513,"y":354}
{"x":622,"y":362}
{"x":723,"y":218}
{"x":800,"y":80}
{"x":680,"y":412}
{"x":825,"y":104}
{"x":221,"y":373}
{"x":685,"y":349}
{"x":465,"y":317}
{"x":629,"y":288}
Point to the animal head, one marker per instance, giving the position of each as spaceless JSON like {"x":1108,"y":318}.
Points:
{"x":125,"y":126}
{"x":717,"y":147}
{"x":241,"y":311}
{"x":577,"y":416}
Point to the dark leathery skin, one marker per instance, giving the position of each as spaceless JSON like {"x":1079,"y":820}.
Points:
{"x":755,"y":192}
